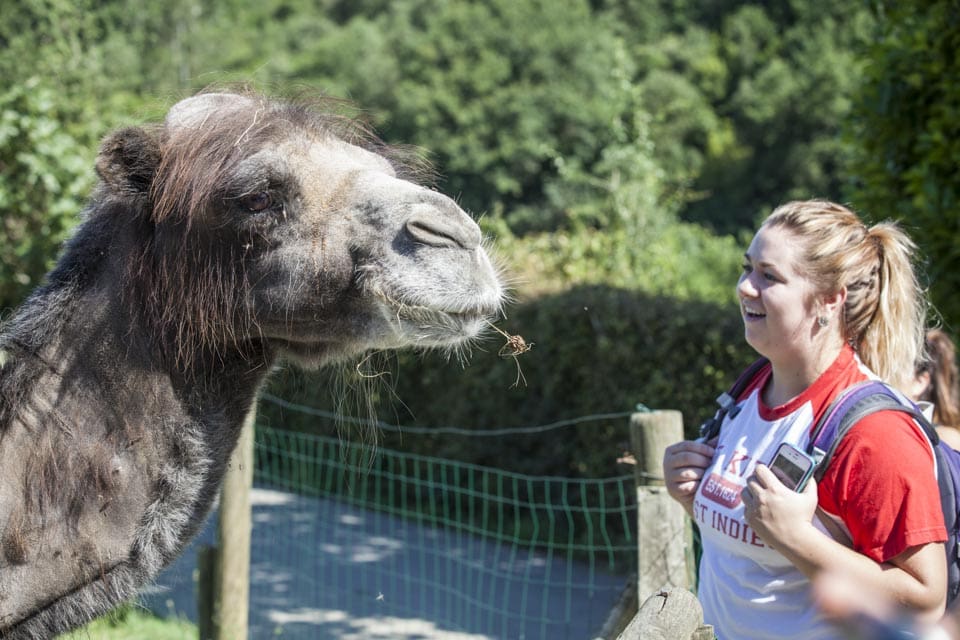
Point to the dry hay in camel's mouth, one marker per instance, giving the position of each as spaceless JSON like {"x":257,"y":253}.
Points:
{"x":514,"y":346}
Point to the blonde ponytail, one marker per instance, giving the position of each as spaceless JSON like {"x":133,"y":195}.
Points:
{"x":892,"y":342}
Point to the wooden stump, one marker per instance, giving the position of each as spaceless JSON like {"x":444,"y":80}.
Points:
{"x":670,"y":614}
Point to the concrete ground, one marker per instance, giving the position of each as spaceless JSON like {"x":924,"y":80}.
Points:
{"x":322,"y":569}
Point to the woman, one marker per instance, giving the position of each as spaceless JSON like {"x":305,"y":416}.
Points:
{"x":829,"y":302}
{"x":937,"y":382}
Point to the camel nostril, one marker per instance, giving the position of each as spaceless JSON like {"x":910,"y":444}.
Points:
{"x":457,"y":233}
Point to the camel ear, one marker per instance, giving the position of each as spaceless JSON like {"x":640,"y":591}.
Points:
{"x":128,"y":161}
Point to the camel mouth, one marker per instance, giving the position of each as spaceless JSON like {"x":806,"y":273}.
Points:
{"x":429,"y":326}
{"x":456,"y":312}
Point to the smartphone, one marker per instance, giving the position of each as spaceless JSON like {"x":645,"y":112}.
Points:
{"x":792,"y":466}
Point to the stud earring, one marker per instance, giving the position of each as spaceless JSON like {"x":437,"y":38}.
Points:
{"x":823,"y":321}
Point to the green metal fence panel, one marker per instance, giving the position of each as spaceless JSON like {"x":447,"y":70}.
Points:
{"x":487,"y":552}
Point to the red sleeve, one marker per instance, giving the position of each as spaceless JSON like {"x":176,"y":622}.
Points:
{"x":881,"y":482}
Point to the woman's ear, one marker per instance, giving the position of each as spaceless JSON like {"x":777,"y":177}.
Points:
{"x":832,"y":305}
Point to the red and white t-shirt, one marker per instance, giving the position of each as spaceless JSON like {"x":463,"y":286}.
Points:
{"x":880,"y":486}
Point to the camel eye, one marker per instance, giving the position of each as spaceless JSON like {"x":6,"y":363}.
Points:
{"x":257,"y":202}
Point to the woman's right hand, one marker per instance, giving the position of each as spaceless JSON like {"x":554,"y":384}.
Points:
{"x":684,"y":464}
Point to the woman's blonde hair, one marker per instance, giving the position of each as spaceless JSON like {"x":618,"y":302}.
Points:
{"x":885,"y":310}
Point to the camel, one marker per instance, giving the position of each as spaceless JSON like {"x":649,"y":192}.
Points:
{"x":238,"y":233}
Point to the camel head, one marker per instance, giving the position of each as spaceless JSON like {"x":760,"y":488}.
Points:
{"x":279,"y":224}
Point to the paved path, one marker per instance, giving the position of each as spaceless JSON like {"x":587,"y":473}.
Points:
{"x":321,"y":569}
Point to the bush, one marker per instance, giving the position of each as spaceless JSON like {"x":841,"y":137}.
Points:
{"x":45,"y":175}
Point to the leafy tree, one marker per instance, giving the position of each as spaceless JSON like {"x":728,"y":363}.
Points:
{"x":907,"y":127}
{"x":45,"y":174}
{"x":89,"y":52}
{"x":749,"y":100}
{"x":682,"y":76}
{"x":52,"y":113}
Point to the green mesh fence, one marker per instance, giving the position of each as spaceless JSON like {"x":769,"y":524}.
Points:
{"x":492,"y":552}
{"x":351,"y":542}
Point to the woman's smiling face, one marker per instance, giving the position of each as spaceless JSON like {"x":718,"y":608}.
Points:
{"x":777,"y":301}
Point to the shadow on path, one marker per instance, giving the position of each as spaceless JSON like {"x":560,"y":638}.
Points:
{"x":324,"y":569}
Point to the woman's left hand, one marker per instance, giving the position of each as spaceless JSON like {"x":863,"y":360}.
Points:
{"x":775,"y":511}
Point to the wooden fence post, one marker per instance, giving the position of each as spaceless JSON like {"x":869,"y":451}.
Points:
{"x":206,"y":568}
{"x":664,"y":533}
{"x":231,"y":583}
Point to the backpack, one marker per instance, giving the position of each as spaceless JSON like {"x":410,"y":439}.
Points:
{"x":853,"y":404}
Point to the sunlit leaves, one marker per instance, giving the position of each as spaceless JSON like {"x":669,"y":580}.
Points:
{"x":45,"y":175}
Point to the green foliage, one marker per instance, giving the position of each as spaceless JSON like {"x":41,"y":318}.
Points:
{"x":748,"y":101}
{"x":742,"y":103}
{"x":908,"y":128}
{"x":44,"y":176}
{"x":77,"y":85}
{"x":89,"y":52}
{"x":682,"y":76}
{"x":680,"y":260}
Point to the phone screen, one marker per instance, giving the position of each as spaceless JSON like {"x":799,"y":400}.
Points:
{"x":792,"y":467}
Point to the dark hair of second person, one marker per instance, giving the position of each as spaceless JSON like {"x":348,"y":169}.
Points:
{"x":938,"y":382}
